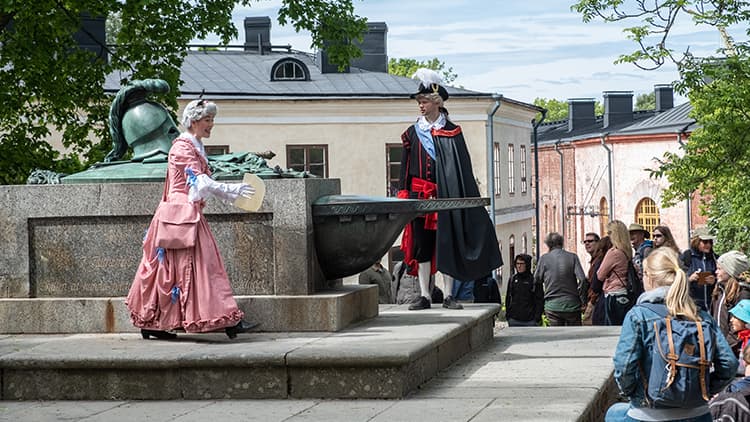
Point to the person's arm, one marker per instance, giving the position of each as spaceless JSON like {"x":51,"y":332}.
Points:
{"x":404,"y":180}
{"x":627,"y":354}
{"x":606,"y":267}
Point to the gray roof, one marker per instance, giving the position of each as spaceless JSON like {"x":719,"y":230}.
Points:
{"x":241,"y":74}
{"x":645,"y":122}
{"x":675,"y":119}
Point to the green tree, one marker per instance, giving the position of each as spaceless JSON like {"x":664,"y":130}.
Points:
{"x":645,"y":101}
{"x":407,"y":67}
{"x":714,"y":161}
{"x":47,"y":83}
{"x":558,"y":110}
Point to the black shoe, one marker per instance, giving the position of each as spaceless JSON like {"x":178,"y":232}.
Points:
{"x":241,"y":327}
{"x":161,"y":335}
{"x":420,"y":303}
{"x":451,"y":303}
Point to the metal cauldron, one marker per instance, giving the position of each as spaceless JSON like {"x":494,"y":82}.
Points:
{"x":352,"y":232}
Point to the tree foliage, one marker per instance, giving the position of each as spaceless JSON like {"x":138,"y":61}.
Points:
{"x":46,"y":82}
{"x":645,"y":101}
{"x":558,"y":110}
{"x":407,"y":67}
{"x":714,"y":161}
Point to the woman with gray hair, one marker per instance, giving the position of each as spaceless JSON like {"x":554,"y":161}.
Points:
{"x":181,"y":283}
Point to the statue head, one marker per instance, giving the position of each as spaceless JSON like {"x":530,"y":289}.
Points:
{"x":144,"y":125}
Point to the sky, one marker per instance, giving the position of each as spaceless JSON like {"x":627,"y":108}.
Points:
{"x":522,"y":49}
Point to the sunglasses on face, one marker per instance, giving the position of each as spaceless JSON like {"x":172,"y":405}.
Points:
{"x":588,"y":241}
{"x":656,"y":235}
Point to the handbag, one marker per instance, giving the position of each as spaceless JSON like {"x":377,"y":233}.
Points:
{"x":177,"y":225}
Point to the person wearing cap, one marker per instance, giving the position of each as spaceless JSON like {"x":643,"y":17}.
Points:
{"x":639,"y":239}
{"x":700,"y":264}
{"x":731,"y":288}
{"x":740,"y":320}
{"x":181,"y":283}
{"x":460,"y":244}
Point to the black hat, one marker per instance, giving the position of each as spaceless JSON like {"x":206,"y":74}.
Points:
{"x":431,"y":83}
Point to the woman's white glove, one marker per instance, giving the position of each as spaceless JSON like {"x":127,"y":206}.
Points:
{"x":204,"y":185}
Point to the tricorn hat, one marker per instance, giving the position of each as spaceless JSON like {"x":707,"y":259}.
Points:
{"x":430,"y":83}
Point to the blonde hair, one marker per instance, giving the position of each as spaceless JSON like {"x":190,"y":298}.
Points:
{"x":620,"y":237}
{"x":434,"y":97}
{"x":662,"y":266}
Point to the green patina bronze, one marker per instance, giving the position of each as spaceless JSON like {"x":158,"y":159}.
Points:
{"x":146,"y":127}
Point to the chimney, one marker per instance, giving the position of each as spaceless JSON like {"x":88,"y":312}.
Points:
{"x":258,"y":34}
{"x":618,"y":107}
{"x":580,"y":113}
{"x":374,"y":48}
{"x":91,"y":36}
{"x":326,"y":66}
{"x":664,"y":95}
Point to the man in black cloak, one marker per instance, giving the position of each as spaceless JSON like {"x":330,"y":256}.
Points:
{"x":460,"y":244}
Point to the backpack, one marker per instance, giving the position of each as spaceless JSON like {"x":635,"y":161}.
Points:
{"x":486,"y":291}
{"x":681,"y":359}
{"x":633,"y":284}
{"x":730,"y":407}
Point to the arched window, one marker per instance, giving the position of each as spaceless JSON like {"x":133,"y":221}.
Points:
{"x":647,"y":214}
{"x":289,"y":69}
{"x":524,"y":244}
{"x":603,"y":215}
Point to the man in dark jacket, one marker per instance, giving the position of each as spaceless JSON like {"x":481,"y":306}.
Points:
{"x":524,"y":299}
{"x":562,"y":275}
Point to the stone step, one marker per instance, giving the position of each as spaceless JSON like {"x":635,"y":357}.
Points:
{"x":332,"y":310}
{"x":384,"y":357}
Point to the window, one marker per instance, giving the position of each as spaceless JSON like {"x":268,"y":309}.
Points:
{"x":289,"y":69}
{"x":311,"y":158}
{"x":603,"y":215}
{"x":496,"y":164}
{"x":524,"y":244}
{"x":524,"y":183}
{"x":511,"y":169}
{"x":393,"y":154}
{"x":647,"y":214}
{"x":216,"y":149}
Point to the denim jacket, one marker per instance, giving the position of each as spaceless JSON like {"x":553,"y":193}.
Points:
{"x":635,"y":345}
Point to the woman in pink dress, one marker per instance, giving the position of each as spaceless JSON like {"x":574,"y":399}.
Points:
{"x":181,"y":282}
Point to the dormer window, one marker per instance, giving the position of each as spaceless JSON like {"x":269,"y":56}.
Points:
{"x":289,"y":69}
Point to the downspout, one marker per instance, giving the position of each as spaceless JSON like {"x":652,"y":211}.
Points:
{"x":562,"y":190}
{"x":535,"y":125}
{"x":688,"y":202}
{"x":491,"y":156}
{"x":611,"y":177}
{"x":491,"y":167}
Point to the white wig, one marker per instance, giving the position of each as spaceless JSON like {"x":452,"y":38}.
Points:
{"x":196,"y":110}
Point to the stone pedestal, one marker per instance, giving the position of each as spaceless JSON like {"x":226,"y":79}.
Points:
{"x":83,"y":242}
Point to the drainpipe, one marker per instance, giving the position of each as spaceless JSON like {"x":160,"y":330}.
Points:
{"x":611,"y":177}
{"x":688,"y":204}
{"x":491,"y":166}
{"x":491,"y":156}
{"x":562,"y":189}
{"x":535,"y":125}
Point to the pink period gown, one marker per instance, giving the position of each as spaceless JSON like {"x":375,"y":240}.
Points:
{"x":182,"y":288}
